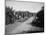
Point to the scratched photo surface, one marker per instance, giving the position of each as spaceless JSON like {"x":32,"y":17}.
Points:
{"x":24,"y":17}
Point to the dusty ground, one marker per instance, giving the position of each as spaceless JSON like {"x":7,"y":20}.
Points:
{"x":18,"y":27}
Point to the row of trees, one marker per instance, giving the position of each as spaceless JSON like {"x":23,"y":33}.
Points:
{"x":40,"y":21}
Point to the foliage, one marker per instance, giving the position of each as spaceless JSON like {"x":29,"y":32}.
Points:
{"x":9,"y":15}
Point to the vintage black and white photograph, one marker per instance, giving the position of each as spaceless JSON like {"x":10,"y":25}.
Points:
{"x":24,"y":17}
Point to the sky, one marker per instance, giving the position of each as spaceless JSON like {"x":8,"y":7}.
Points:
{"x":25,"y":6}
